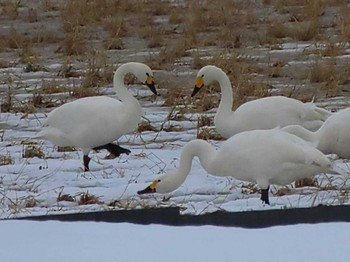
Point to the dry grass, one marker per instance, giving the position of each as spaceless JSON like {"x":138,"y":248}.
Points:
{"x":329,"y":75}
{"x":304,"y":31}
{"x":207,"y":133}
{"x":51,"y":87}
{"x":305,"y":182}
{"x":93,"y":35}
{"x":204,"y":120}
{"x":31,"y":151}
{"x":322,"y":72}
{"x":239,"y":71}
{"x":146,"y":126}
{"x":66,"y":149}
{"x":10,"y":9}
{"x":12,"y":39}
{"x":88,"y":27}
{"x":74,"y":43}
{"x":99,"y":73}
{"x":6,"y":160}
{"x":168,"y":55}
{"x":65,"y":197}
{"x":87,"y":199}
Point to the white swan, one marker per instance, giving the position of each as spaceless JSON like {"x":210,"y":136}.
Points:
{"x":94,"y":122}
{"x":264,"y":113}
{"x":333,"y":137}
{"x":261,"y":156}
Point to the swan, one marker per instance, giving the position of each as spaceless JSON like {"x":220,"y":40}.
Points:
{"x":94,"y":122}
{"x":333,"y":137}
{"x":261,"y":156}
{"x":263,"y":113}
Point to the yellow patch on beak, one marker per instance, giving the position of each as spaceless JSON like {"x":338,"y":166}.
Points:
{"x":154,"y":185}
{"x":149,"y":80}
{"x":199,"y":82}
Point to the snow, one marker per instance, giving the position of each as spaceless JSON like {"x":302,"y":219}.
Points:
{"x":34,"y":185}
{"x":92,"y":241}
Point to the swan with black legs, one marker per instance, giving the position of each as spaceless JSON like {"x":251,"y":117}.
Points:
{"x":95,"y":122}
{"x":333,"y":137}
{"x":263,"y":113}
{"x":262,"y":156}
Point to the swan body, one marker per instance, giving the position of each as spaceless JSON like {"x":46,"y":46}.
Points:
{"x":94,"y":122}
{"x":261,"y":156}
{"x":263,"y":113}
{"x":333,"y":137}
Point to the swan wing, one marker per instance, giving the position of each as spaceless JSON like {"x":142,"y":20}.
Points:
{"x":90,"y":121}
{"x":269,"y":156}
{"x":312,"y":112}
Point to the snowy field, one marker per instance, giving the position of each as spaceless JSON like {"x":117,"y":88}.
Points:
{"x":55,"y":183}
{"x":89,"y":241}
{"x":42,"y":65}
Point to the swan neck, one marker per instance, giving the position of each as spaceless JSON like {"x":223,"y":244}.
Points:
{"x":196,"y":148}
{"x":122,"y":93}
{"x":118,"y":82}
{"x":225,"y":106}
{"x":303,"y":133}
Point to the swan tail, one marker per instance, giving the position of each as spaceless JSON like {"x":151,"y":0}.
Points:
{"x":54,"y":135}
{"x":323,"y":113}
{"x":317,"y":113}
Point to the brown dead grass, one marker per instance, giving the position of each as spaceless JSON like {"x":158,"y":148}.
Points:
{"x":145,"y":126}
{"x":206,"y":133}
{"x":74,"y":43}
{"x":10,"y":9}
{"x":6,"y":160}
{"x":87,"y":199}
{"x":31,"y":151}
{"x":168,"y":55}
{"x":305,"y":182}
{"x":52,"y":86}
{"x":65,"y":197}
{"x":175,"y":30}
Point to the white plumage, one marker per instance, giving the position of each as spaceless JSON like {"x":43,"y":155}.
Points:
{"x":264,"y":113}
{"x":94,"y":122}
{"x":333,"y":137}
{"x":261,"y":156}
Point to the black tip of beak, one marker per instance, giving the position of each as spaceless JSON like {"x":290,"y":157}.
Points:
{"x":147,"y":190}
{"x":195,"y":91}
{"x":152,"y":88}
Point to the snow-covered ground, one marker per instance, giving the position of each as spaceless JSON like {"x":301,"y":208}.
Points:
{"x":91,"y":241}
{"x":56,"y":184}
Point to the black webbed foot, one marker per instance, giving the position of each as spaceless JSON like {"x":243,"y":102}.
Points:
{"x":86,"y":159}
{"x":265,"y":195}
{"x":114,"y":149}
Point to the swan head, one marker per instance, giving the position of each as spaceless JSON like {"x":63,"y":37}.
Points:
{"x":144,"y":74}
{"x":163,"y":184}
{"x":205,"y":77}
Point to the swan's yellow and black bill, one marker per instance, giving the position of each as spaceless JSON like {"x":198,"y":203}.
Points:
{"x":150,"y":84}
{"x":150,"y":189}
{"x":198,"y":86}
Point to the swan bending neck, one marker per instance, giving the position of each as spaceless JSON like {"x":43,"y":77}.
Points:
{"x":196,"y":148}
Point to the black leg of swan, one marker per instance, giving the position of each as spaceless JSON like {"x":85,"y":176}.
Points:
{"x":114,"y":149}
{"x":86,"y":159}
{"x":265,"y":195}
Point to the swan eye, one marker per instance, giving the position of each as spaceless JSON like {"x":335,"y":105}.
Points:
{"x":147,"y":74}
{"x":202,"y":75}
